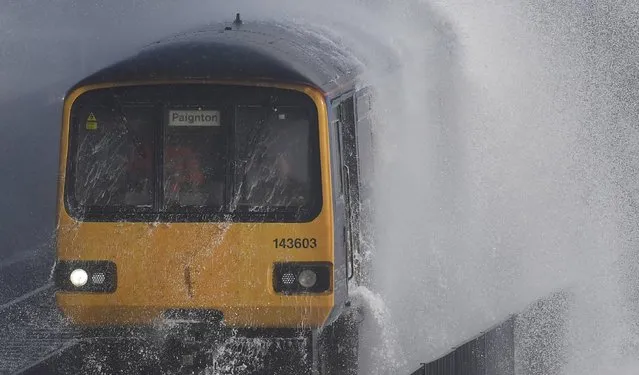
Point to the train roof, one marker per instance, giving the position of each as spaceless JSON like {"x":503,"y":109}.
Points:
{"x":239,"y":51}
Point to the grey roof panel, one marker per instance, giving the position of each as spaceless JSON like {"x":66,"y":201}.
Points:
{"x":249,"y":51}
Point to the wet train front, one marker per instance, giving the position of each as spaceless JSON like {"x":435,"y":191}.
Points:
{"x":211,"y":176}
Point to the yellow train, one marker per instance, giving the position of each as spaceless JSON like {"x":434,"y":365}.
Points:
{"x":217,"y":175}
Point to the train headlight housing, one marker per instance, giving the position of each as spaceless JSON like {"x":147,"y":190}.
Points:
{"x":78,"y":277}
{"x":96,"y":276}
{"x":302,"y":278}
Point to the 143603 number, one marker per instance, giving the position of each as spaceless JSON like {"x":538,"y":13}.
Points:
{"x":295,"y":243}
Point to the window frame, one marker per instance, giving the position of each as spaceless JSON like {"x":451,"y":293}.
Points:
{"x":157,"y":213}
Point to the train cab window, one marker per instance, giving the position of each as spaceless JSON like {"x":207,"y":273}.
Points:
{"x":194,"y":160}
{"x":193,"y":153}
{"x":114,"y":158}
{"x":273,"y":154}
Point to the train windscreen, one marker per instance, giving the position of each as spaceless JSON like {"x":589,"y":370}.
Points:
{"x":192,"y":153}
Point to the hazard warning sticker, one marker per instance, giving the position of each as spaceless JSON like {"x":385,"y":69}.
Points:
{"x":92,"y":122}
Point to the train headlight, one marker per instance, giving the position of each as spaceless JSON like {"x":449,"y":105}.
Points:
{"x":78,"y":277}
{"x":307,"y":278}
{"x":302,"y":278}
{"x":96,"y":276}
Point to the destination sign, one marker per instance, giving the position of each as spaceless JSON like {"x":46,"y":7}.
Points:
{"x":194,"y":118}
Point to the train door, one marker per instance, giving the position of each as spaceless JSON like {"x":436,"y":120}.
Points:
{"x":338,"y":343}
{"x":365,"y":168}
{"x":349,"y":177}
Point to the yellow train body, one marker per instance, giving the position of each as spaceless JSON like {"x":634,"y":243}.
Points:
{"x":222,"y":266}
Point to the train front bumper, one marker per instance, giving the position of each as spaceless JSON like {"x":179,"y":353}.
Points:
{"x":104,"y":295}
{"x":89,"y":312}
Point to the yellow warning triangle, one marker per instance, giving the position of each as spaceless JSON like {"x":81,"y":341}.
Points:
{"x":92,"y":122}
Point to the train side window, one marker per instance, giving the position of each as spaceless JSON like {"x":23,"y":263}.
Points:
{"x":340,"y":156}
{"x":364,"y":142}
{"x":350,"y":158}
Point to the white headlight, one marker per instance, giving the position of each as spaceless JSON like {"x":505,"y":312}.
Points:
{"x":79,"y":277}
{"x":307,"y":278}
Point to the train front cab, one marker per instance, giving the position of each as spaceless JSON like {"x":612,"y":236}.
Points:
{"x":172,"y":204}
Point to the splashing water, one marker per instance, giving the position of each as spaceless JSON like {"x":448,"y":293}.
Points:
{"x":506,"y":154}
{"x":502,"y":148}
